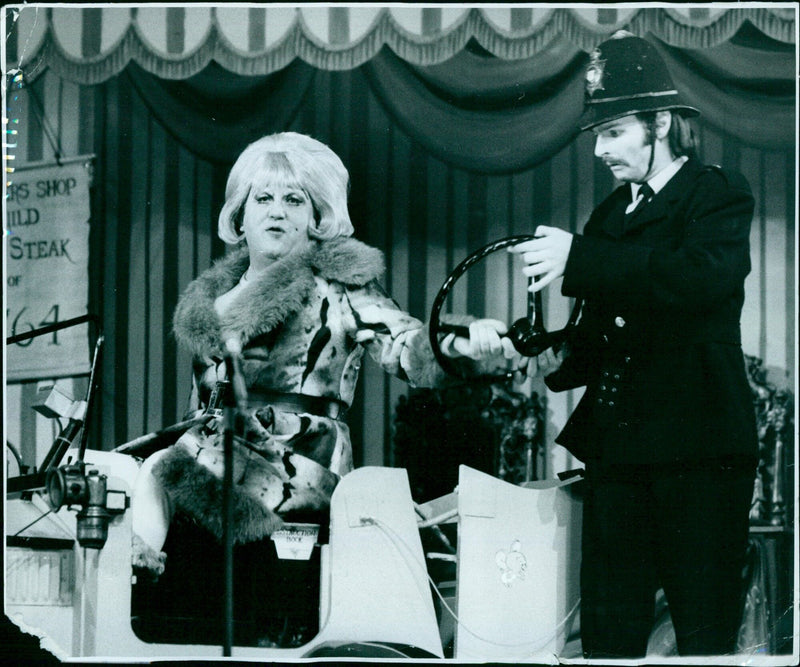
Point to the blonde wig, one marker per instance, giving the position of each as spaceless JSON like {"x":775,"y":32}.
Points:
{"x":293,"y":159}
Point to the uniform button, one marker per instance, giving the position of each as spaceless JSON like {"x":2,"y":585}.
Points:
{"x":619,"y":322}
{"x":605,"y":374}
{"x":623,"y":424}
{"x":616,"y":376}
{"x":611,"y":404}
{"x":627,"y":360}
{"x":613,"y":390}
{"x":600,"y":401}
{"x":602,"y":387}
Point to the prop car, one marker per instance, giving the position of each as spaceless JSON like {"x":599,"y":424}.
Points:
{"x":516,"y":578}
{"x":511,"y":595}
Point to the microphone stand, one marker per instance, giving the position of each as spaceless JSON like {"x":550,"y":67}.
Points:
{"x":234,"y":401}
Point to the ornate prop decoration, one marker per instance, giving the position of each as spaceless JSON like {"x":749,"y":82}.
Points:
{"x":775,"y":419}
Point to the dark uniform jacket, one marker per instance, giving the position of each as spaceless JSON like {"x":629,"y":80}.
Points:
{"x":658,"y":345}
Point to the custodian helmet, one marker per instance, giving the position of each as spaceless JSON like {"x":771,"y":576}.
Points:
{"x":626,"y":75}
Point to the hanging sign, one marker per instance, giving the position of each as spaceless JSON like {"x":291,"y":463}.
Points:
{"x":47,"y":268}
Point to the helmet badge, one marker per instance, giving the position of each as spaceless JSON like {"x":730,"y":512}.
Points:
{"x":594,"y":73}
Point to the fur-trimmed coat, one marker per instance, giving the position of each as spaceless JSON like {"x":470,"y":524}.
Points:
{"x":304,"y":326}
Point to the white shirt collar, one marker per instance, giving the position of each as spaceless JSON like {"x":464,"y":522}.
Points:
{"x":660,"y":179}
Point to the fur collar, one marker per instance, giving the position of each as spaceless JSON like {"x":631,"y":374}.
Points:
{"x":269,"y":300}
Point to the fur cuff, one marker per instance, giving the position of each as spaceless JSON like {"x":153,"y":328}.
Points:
{"x":198,"y":492}
{"x":423,"y":369}
{"x":146,"y":557}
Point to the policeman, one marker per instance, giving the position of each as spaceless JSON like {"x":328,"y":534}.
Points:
{"x":666,"y":426}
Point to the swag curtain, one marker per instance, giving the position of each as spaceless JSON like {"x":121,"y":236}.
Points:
{"x":489,"y":90}
{"x":478,"y":112}
{"x":175,"y":42}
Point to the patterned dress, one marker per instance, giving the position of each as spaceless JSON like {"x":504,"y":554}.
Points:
{"x":304,"y":326}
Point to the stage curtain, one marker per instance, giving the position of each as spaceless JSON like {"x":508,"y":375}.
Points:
{"x":91,"y":44}
{"x":494,"y":116}
{"x":215,"y":104}
{"x":744,"y":87}
{"x":481,"y":113}
{"x":478,"y":112}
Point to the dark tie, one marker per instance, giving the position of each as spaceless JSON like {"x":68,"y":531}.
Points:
{"x":645,"y":194}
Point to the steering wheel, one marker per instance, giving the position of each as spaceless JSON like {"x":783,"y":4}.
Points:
{"x":527,"y":334}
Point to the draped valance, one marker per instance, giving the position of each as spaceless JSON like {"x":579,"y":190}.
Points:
{"x":89,"y":45}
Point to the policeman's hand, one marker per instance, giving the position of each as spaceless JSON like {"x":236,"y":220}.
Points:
{"x":485,"y":341}
{"x":543,"y":364}
{"x":545,"y":256}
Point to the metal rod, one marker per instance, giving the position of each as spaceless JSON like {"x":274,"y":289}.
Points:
{"x":227,"y":503}
{"x":90,"y":391}
{"x":50,"y":328}
{"x":27,"y":482}
{"x":62,"y":444}
{"x":440,"y":518}
{"x":229,"y":411}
